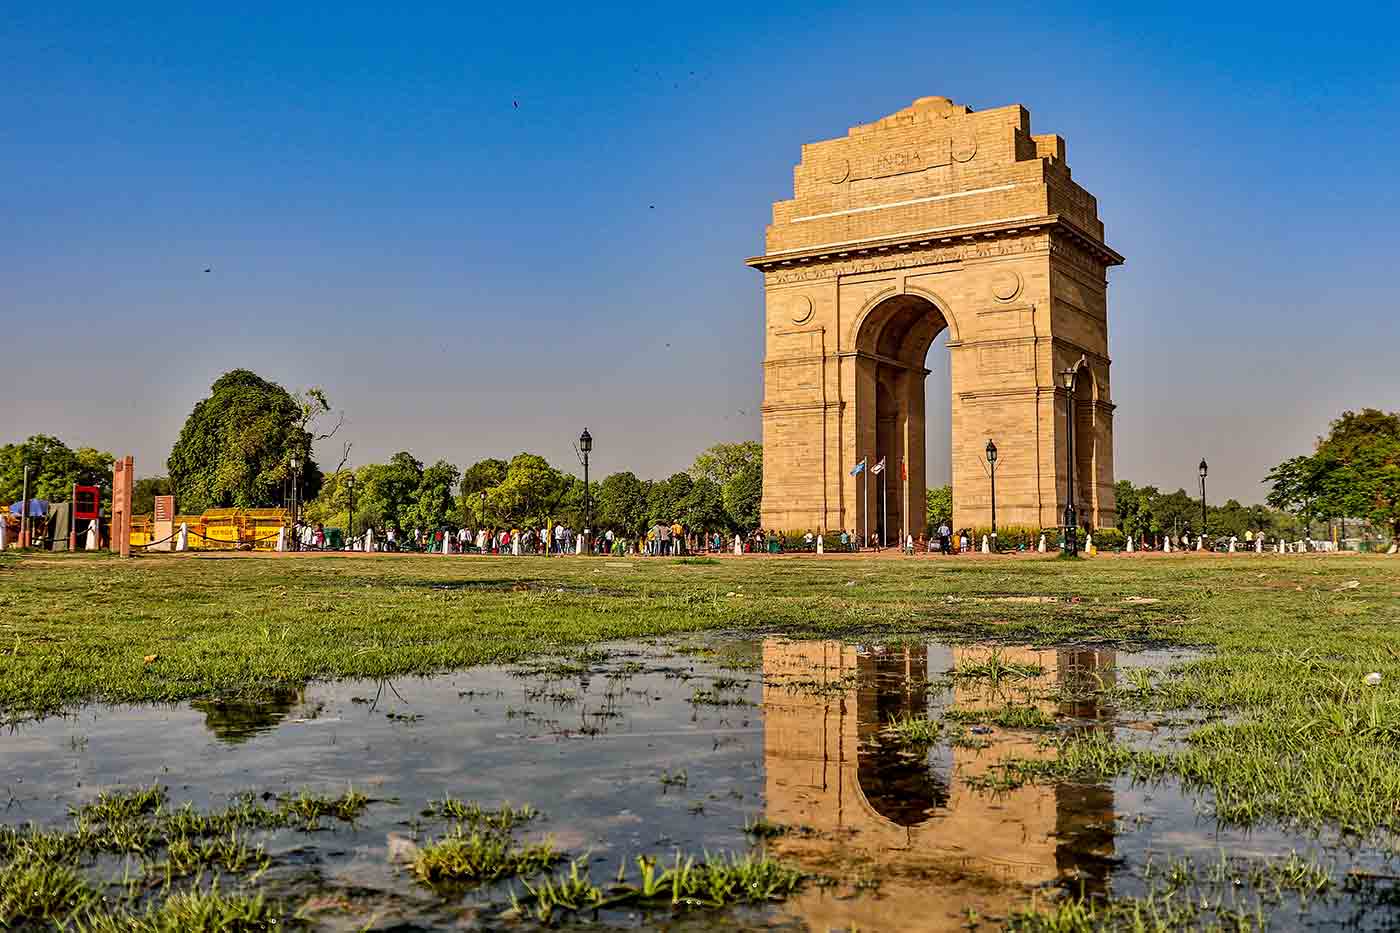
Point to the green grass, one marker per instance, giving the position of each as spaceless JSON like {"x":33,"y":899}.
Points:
{"x":1285,"y":642}
{"x":480,"y":856}
{"x":714,"y":881}
{"x":1184,"y":894}
{"x":912,"y":730}
{"x":472,"y":814}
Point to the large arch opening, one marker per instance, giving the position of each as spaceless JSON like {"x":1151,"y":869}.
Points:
{"x":895,"y":342}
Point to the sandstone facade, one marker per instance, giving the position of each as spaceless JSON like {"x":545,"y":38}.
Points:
{"x":935,"y":217}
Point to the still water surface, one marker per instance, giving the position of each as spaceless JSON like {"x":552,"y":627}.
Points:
{"x":656,"y":747}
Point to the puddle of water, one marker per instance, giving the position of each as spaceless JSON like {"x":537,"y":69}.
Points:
{"x":639,"y":749}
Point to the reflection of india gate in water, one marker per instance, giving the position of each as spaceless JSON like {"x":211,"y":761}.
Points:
{"x":935,"y":218}
{"x":925,"y":831}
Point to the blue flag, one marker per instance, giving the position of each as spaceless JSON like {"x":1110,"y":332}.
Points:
{"x":858,"y":468}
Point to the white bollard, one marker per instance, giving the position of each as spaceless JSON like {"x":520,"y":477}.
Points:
{"x":1166,"y":545}
{"x":1130,"y":544}
{"x":282,"y":538}
{"x":1041,"y":547}
{"x":1233,"y":539}
{"x":1088,"y":544}
{"x":182,"y":540}
{"x":819,"y":545}
{"x":1259,"y":545}
{"x":738,"y":547}
{"x":985,"y":548}
{"x":1200,"y":541}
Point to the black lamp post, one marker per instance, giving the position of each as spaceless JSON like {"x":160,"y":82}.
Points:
{"x":296,"y":500}
{"x":1202,"y":468}
{"x":1070,"y":377}
{"x":350,"y":484}
{"x":585,"y":446}
{"x":992,"y":462}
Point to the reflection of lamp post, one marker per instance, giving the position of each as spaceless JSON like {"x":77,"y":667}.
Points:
{"x":992,"y":462}
{"x":585,"y":446}
{"x":1071,"y":378}
{"x":1202,"y":468}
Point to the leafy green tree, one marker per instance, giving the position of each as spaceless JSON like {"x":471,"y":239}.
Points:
{"x":529,"y":495}
{"x":236,"y":445}
{"x":433,"y":503}
{"x":144,"y":492}
{"x":702,"y":508}
{"x":621,"y":504}
{"x":482,"y":476}
{"x":938,"y":507}
{"x":743,"y":495}
{"x":737,"y":469}
{"x":664,"y":501}
{"x":397,"y":484}
{"x":1354,"y":472}
{"x":722,"y":462}
{"x":53,"y":469}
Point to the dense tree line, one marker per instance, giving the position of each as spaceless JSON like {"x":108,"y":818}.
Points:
{"x":237,"y":446}
{"x":53,"y":469}
{"x":1352,"y":473}
{"x":720,"y":492}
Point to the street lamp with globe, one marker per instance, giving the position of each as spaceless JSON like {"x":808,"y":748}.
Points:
{"x":992,"y":464}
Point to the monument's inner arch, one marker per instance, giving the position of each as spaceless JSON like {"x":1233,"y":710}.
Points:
{"x":935,"y":221}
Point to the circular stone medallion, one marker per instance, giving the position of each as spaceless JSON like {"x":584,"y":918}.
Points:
{"x":964,"y":147}
{"x":840,"y":170}
{"x":1006,"y":285}
{"x":799,"y":308}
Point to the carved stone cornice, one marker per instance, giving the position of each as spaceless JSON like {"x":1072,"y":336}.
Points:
{"x":980,"y":241}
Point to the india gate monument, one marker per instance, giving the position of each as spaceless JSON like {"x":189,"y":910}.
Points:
{"x":935,"y":217}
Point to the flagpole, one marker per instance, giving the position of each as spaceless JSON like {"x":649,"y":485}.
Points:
{"x":864,"y":508}
{"x":904,"y":479}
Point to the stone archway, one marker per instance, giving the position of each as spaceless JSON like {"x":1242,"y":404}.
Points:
{"x":934,"y":218}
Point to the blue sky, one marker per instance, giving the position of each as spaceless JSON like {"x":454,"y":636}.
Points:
{"x":482,"y":228}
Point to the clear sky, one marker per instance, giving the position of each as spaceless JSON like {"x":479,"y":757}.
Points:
{"x":481,"y":228}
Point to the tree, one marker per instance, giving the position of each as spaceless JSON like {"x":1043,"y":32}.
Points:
{"x":621,"y":504}
{"x":702,"y":508}
{"x":743,"y":496}
{"x":236,"y":445}
{"x":530,"y":494}
{"x":144,"y":492}
{"x":433,"y":504}
{"x":53,"y":469}
{"x":1354,"y":472}
{"x":665,"y":498}
{"x":938,"y":507}
{"x":738,"y":471}
{"x":482,"y":476}
{"x":722,"y":462}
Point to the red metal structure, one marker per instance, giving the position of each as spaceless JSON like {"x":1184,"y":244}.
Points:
{"x":87,"y":503}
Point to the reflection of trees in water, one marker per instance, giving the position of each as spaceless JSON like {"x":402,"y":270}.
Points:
{"x":903,"y":788}
{"x":235,"y":720}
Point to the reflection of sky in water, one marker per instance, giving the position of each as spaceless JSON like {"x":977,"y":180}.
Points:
{"x":805,"y":751}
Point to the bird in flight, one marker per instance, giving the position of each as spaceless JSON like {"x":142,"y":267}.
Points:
{"x":210,"y":269}
{"x":515,"y":104}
